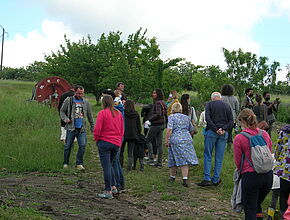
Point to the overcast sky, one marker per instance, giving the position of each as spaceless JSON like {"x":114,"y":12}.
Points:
{"x":191,"y":29}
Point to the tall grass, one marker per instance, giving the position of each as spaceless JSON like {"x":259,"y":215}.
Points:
{"x":27,"y":131}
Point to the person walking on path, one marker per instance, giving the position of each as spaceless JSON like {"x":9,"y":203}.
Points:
{"x":255,"y":186}
{"x":178,"y":139}
{"x":219,"y":119}
{"x":74,"y":112}
{"x":108,"y":134}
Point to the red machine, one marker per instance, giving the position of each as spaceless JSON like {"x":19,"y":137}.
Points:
{"x":49,"y":90}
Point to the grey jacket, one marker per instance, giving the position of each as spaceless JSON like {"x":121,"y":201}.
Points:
{"x":69,"y":106}
{"x":234,"y":104}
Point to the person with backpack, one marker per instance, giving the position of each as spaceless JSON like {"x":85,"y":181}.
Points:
{"x":132,"y":132}
{"x":252,"y":156}
{"x":157,"y":120}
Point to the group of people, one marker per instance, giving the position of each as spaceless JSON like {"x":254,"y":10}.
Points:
{"x":119,"y":125}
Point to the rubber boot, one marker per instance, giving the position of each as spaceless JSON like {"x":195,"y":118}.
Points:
{"x":271,"y":213}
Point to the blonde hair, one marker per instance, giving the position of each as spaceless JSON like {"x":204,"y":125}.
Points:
{"x":176,"y":108}
{"x":248,"y":116}
{"x":174,"y":94}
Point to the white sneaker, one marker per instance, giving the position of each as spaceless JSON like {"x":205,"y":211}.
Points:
{"x":80,"y":167}
{"x":65,"y":166}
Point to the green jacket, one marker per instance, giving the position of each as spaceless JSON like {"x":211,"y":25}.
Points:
{"x":68,"y":107}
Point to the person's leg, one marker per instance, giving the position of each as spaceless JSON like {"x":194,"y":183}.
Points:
{"x":284,"y":194}
{"x":250,"y":193}
{"x":230,"y":138}
{"x":184,"y":171}
{"x":154,"y":147}
{"x":68,"y":145}
{"x":219,"y":156}
{"x":115,"y":167}
{"x":122,"y":152}
{"x":149,"y":140}
{"x":82,"y":140}
{"x":266,"y":184}
{"x":115,"y":154}
{"x":131,"y":146}
{"x":272,"y":207}
{"x":172,"y":172}
{"x":159,"y":138}
{"x":105,"y":158}
{"x":209,"y":143}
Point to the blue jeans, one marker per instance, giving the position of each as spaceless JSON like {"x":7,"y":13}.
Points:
{"x":119,"y":180}
{"x":82,"y":140}
{"x":218,"y":142}
{"x":108,"y":152}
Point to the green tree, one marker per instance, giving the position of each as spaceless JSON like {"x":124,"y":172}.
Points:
{"x":245,"y":69}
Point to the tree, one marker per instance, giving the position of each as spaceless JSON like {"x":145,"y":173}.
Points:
{"x":247,"y":70}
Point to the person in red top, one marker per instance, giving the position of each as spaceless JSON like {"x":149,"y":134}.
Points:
{"x":255,"y":187}
{"x":108,"y":134}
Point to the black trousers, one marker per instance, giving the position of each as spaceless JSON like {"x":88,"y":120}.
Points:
{"x":255,"y":188}
{"x":284,"y":194}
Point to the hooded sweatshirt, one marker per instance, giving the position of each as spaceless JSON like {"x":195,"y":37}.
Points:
{"x":132,"y":125}
{"x":242,"y":145}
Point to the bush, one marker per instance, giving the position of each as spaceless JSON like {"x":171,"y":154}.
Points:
{"x":283,"y":114}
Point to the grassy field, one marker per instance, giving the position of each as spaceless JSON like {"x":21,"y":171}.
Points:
{"x":29,"y":134}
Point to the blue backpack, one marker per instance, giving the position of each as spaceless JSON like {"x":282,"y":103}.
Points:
{"x":262,"y":160}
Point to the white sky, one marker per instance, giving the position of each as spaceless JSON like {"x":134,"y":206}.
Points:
{"x":191,"y":29}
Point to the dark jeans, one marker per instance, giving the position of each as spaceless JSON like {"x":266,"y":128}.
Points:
{"x":119,"y":180}
{"x":107,"y":152}
{"x":155,"y":132}
{"x":82,"y":140}
{"x":284,"y":194}
{"x":255,"y":188}
{"x":230,"y":134}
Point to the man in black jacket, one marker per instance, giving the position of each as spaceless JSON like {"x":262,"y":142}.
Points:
{"x":219,"y":118}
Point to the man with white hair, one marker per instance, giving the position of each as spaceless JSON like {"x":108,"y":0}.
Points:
{"x":219,"y":118}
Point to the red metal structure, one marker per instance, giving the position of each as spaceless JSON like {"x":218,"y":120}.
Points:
{"x":49,"y":90}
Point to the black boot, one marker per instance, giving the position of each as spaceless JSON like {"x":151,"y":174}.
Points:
{"x":185,"y":184}
{"x":134,"y":163}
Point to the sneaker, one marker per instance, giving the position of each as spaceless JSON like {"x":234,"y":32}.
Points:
{"x":65,"y":166}
{"x":105,"y":195}
{"x":217,"y":183}
{"x":80,"y":167}
{"x":115,"y":191}
{"x":205,"y":183}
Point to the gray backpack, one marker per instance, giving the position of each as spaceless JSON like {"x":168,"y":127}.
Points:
{"x":260,"y":153}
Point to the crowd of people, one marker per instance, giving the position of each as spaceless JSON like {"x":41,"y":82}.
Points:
{"x":118,"y":126}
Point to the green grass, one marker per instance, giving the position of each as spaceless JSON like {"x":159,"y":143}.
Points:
{"x":15,"y":213}
{"x":29,"y":134}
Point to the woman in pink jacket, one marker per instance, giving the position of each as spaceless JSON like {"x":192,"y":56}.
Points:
{"x":108,"y":134}
{"x":255,"y":187}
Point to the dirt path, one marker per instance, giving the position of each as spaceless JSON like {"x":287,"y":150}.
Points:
{"x":72,"y":195}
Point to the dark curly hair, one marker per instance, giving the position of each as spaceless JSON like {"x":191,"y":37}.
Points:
{"x":185,"y":104}
{"x":160,"y":95}
{"x":227,"y":90}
